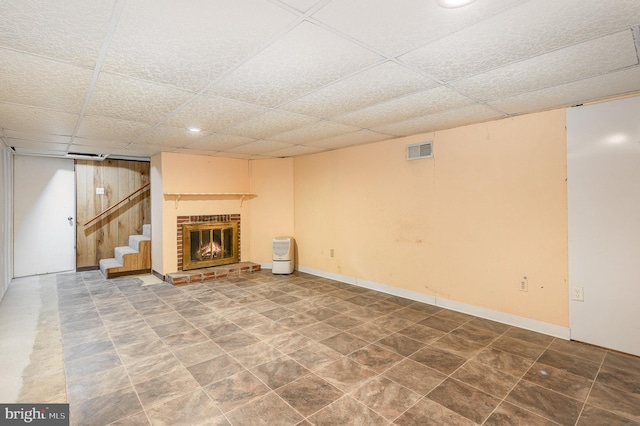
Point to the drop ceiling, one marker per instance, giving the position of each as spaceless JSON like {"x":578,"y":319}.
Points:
{"x":281,"y":78}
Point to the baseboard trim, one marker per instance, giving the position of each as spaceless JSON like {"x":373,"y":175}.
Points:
{"x":88,"y":268}
{"x":501,"y":317}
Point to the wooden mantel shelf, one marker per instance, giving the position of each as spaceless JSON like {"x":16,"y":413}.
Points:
{"x":220,"y":195}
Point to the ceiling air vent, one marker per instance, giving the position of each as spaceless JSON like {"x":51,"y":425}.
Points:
{"x":85,"y":156}
{"x":420,"y":150}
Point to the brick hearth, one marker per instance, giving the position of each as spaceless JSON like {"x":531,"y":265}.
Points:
{"x":213,"y":273}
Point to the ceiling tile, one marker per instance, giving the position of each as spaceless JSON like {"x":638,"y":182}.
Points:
{"x":417,"y":104}
{"x":45,"y":150}
{"x":242,"y":156}
{"x":294,"y":151}
{"x":302,"y":5}
{"x":443,"y":120}
{"x":70,"y":30}
{"x":37,"y":145}
{"x":134,"y":100}
{"x":534,"y":28}
{"x":613,"y":52}
{"x":197,"y":152}
{"x":110,"y":128}
{"x":260,"y":147}
{"x":396,"y":27}
{"x":40,"y":137}
{"x":136,"y":151}
{"x":31,"y":80}
{"x":313,"y":132}
{"x":100,"y":143}
{"x":168,"y":136}
{"x":268,"y":124}
{"x":304,"y":59}
{"x":377,"y":84}
{"x":577,"y":92}
{"x":211,"y":113}
{"x":89,"y":149}
{"x":350,"y":139}
{"x":36,"y":120}
{"x":216,"y":142}
{"x":189,"y":44}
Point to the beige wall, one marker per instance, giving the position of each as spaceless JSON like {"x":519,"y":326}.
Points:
{"x":204,"y":176}
{"x":271,"y":212}
{"x":467,"y":225}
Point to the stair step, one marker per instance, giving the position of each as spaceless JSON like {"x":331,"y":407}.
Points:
{"x":134,"y":241}
{"x":119,"y":253}
{"x":108,"y":264}
{"x":136,"y":263}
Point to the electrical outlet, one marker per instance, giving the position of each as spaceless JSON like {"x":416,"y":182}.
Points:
{"x":524,"y":284}
{"x":577,"y":293}
{"x":331,"y":253}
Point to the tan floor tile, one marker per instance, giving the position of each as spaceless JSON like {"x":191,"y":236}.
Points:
{"x":346,"y":411}
{"x":427,"y":412}
{"x":309,"y":394}
{"x":236,"y":390}
{"x":166,"y":387}
{"x":192,"y":409}
{"x":279,"y":372}
{"x":267,"y":410}
{"x":464,"y":400}
{"x":508,"y":415}
{"x":385,"y":397}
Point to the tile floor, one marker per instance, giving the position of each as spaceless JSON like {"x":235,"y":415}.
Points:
{"x":269,"y":349}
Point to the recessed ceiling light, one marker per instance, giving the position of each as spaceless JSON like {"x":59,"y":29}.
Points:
{"x":617,"y":138}
{"x":452,"y":4}
{"x":194,"y":129}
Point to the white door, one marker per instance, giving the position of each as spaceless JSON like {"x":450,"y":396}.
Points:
{"x":603,"y":186}
{"x":43,"y":215}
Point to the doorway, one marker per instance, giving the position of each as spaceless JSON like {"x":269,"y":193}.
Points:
{"x":603,"y":186}
{"x":43,"y":216}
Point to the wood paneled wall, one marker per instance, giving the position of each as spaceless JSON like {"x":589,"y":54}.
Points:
{"x":119,"y":178}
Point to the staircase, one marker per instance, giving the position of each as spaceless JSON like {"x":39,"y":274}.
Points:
{"x":132,"y":259}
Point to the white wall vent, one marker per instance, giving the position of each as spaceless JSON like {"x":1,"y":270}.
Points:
{"x":420,"y":150}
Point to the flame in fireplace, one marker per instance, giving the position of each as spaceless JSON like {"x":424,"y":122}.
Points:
{"x":210,"y":251}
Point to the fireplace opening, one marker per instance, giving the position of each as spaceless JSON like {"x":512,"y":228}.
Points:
{"x":209,"y":244}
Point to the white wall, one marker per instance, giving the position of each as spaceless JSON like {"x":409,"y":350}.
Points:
{"x":603,"y":158}
{"x":157,"y":240}
{"x":6,"y":229}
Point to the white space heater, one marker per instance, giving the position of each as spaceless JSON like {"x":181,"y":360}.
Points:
{"x":282,"y":255}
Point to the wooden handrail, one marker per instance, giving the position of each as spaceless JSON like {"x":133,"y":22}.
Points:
{"x":127,"y":198}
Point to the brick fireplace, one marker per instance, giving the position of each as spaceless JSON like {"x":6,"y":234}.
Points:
{"x":208,"y":273}
{"x":185,"y":261}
